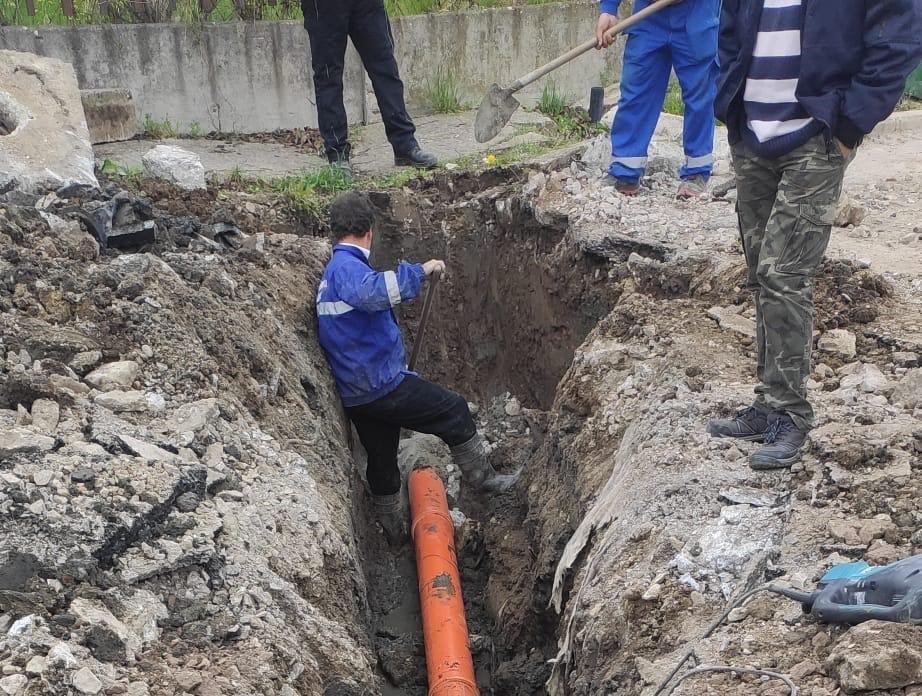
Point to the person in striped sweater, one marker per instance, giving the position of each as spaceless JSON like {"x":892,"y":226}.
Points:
{"x":801,"y":83}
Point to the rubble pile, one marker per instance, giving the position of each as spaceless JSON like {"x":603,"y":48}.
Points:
{"x":156,"y":538}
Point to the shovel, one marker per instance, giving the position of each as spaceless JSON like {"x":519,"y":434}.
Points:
{"x":498,"y":105}
{"x":424,"y":319}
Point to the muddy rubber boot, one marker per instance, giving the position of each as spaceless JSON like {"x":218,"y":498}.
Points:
{"x":477,"y":471}
{"x":392,"y":516}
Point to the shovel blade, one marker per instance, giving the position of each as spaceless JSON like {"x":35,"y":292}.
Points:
{"x":495,"y":110}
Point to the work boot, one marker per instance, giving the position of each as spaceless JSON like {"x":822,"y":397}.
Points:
{"x":626,"y":187}
{"x":415,"y":157}
{"x":477,"y":471}
{"x":783,"y":441}
{"x":392,"y":516}
{"x":692,"y":187}
{"x":749,"y":424}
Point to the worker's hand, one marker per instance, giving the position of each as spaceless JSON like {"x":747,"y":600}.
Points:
{"x":606,"y":22}
{"x":843,"y":150}
{"x":434,"y":266}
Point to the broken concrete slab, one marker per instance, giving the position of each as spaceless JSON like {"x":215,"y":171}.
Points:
{"x":15,"y":441}
{"x":110,"y":114}
{"x":175,"y":164}
{"x":44,"y":139}
{"x":732,"y":320}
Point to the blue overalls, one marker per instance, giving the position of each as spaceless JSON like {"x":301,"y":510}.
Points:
{"x":681,"y":36}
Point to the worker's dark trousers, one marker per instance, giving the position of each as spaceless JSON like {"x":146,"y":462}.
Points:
{"x":329,"y":23}
{"x":416,"y":405}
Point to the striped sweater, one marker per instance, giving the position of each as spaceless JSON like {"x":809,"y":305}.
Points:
{"x":776,"y":123}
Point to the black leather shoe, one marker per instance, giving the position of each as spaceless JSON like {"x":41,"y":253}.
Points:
{"x":415,"y":158}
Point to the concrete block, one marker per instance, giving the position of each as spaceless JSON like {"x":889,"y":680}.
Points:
{"x":44,"y":140}
{"x":110,"y":114}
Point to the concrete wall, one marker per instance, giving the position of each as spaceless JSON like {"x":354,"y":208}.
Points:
{"x":243,"y":77}
{"x":500,"y":45}
{"x":251,"y":77}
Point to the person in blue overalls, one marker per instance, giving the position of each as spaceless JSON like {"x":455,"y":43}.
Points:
{"x":681,"y":37}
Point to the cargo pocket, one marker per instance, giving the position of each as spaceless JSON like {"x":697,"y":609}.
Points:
{"x":806,"y":243}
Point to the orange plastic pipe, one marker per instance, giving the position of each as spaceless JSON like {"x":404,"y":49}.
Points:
{"x":448,"y":651}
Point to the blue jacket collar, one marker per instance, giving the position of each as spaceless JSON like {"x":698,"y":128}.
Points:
{"x":351,"y":250}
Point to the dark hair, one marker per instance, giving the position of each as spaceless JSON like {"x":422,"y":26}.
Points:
{"x":351,"y":213}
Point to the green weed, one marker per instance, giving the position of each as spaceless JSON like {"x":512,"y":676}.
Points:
{"x":674,"y":104}
{"x":443,"y":93}
{"x":158,"y":130}
{"x":195,"y":130}
{"x":116,"y":169}
{"x":552,"y":102}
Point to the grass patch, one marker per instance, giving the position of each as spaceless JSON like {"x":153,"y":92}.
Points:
{"x":443,"y":93}
{"x":553,"y":102}
{"x":673,"y":103}
{"x":158,"y":130}
{"x":112,"y":168}
{"x":195,"y":130}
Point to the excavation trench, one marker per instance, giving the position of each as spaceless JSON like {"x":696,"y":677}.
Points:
{"x":518,"y":299}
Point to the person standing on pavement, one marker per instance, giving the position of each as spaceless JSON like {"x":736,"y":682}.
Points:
{"x":801,"y":83}
{"x":680,"y":37}
{"x":329,"y":24}
{"x":361,"y":339}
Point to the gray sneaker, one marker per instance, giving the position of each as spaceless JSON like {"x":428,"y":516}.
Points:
{"x":783,"y":442}
{"x":749,"y":424}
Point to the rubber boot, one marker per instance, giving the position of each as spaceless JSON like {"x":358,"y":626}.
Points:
{"x":477,"y":471}
{"x":392,"y":516}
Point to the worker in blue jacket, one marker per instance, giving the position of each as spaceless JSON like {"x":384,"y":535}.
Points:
{"x":363,"y":344}
{"x":681,"y":37}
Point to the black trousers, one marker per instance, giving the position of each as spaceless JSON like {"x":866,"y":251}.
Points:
{"x":329,"y":23}
{"x":416,"y":405}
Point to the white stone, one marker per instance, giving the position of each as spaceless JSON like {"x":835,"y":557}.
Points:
{"x":22,"y":441}
{"x":49,"y":145}
{"x":146,"y":450}
{"x":113,"y":375}
{"x":908,"y":391}
{"x":46,"y":415}
{"x":733,"y":321}
{"x":119,"y":401}
{"x":513,"y":408}
{"x":36,"y":666}
{"x":174,"y":164}
{"x":14,"y":684}
{"x":86,"y":682}
{"x":60,"y":654}
{"x":42,"y":477}
{"x":190,"y":418}
{"x":838,"y":342}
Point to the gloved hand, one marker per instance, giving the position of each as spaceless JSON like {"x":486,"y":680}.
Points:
{"x":434,"y":266}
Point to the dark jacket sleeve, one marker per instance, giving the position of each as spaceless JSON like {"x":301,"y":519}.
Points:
{"x":892,"y":50}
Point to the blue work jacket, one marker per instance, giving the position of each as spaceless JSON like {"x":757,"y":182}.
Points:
{"x":357,"y":327}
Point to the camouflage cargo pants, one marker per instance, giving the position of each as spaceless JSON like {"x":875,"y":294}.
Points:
{"x":786,"y":208}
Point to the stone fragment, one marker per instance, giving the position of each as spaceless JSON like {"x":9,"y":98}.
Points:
{"x":85,"y":361}
{"x":882,"y":553}
{"x":188,"y":679}
{"x":838,"y":342}
{"x":732,"y":320}
{"x":42,"y":477}
{"x":14,"y":684}
{"x":145,"y":450}
{"x":849,"y":212}
{"x":36,"y":666}
{"x":15,"y":441}
{"x":113,"y":375}
{"x":174,"y":164}
{"x":877,"y":655}
{"x":46,"y":414}
{"x":44,"y":141}
{"x":908,"y":391}
{"x":119,"y":401}
{"x":85,"y":476}
{"x":86,"y":682}
{"x":192,"y":417}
